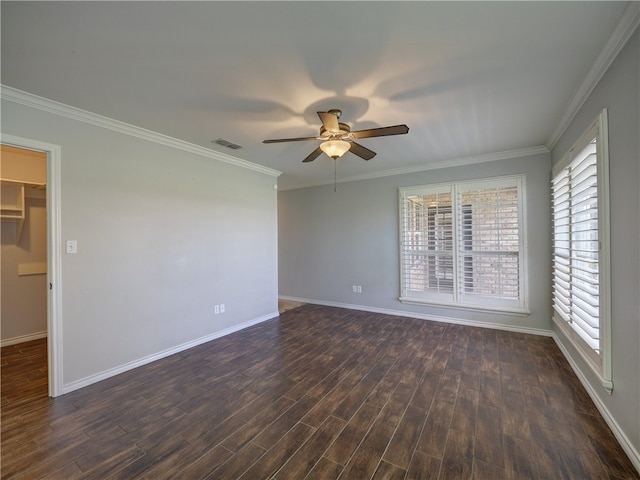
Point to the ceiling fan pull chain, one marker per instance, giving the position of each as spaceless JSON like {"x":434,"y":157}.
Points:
{"x":335,"y":175}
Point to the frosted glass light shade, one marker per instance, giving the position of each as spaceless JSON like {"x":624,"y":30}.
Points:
{"x":335,"y":148}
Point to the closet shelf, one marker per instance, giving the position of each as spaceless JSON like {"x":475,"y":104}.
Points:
{"x":12,"y":202}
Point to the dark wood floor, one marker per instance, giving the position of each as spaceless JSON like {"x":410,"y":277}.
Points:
{"x":320,"y":393}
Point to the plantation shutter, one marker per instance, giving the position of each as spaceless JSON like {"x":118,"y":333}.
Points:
{"x":489,"y":244}
{"x":427,"y":244}
{"x":576,"y":246}
{"x":461,"y":244}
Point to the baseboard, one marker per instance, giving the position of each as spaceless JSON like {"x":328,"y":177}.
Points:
{"x":422,"y":316}
{"x":84,"y":382}
{"x":624,"y":441}
{"x":22,"y":339}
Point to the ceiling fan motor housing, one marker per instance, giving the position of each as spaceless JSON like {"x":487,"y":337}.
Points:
{"x":344,"y":131}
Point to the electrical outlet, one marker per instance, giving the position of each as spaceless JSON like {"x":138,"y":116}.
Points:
{"x":354,"y":288}
{"x":222,"y":309}
{"x":359,"y":288}
{"x":216,"y":309}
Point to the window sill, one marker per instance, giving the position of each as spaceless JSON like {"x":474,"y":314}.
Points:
{"x":500,"y":310}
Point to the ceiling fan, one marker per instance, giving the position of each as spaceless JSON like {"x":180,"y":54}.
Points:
{"x":339,"y":139}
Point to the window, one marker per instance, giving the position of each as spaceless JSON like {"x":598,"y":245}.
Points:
{"x":462,"y":244}
{"x":581,"y":248}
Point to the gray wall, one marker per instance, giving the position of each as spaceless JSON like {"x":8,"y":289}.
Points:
{"x":329,"y":241}
{"x":619,"y":92}
{"x":163,"y":235}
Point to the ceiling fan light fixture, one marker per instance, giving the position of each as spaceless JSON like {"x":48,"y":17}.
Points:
{"x":335,"y":148}
{"x":334,"y":136}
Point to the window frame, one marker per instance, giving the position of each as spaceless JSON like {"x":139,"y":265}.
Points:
{"x":457,"y":300}
{"x":600,"y":363}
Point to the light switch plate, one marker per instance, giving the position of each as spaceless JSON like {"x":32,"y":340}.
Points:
{"x":72,"y":246}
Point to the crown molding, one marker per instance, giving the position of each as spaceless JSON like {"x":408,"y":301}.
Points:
{"x":34,"y":101}
{"x":489,"y":157}
{"x":625,"y":27}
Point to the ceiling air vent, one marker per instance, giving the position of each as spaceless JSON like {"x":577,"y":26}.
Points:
{"x":227,"y":143}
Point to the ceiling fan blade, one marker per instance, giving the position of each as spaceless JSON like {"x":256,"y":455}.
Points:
{"x":329,"y":121}
{"x":361,"y":151}
{"x":380,"y":132}
{"x":280,"y":140}
{"x":313,"y":155}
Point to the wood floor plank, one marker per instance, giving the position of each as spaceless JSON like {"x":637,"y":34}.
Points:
{"x":426,"y":391}
{"x":238,"y":464}
{"x":393,"y":411}
{"x":334,"y":377}
{"x":465,"y":411}
{"x":326,"y":405}
{"x":470,"y":373}
{"x":438,"y":361}
{"x":319,"y":369}
{"x":388,"y":471}
{"x":318,"y":393}
{"x":352,"y":401}
{"x":383,"y":390}
{"x":207,"y":433}
{"x":201,"y":467}
{"x":490,"y":392}
{"x":156,"y":451}
{"x":57,"y":453}
{"x":448,"y":386}
{"x":255,"y":425}
{"x":514,"y":418}
{"x":488,"y":434}
{"x":519,"y":462}
{"x":365,"y":460}
{"x":405,"y":438}
{"x":457,"y":460}
{"x":352,"y":434}
{"x":277,"y":429}
{"x":434,"y":433}
{"x":488,"y":471}
{"x":423,"y":467}
{"x":69,"y":472}
{"x":280,"y":453}
{"x":109,"y":459}
{"x":303,"y":461}
{"x":609,"y":454}
{"x":325,"y":469}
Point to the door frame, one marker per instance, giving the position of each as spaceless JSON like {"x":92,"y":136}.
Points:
{"x":54,"y":300}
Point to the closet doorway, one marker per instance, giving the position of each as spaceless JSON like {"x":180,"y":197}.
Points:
{"x":29,"y":172}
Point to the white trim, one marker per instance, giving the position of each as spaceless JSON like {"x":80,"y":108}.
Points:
{"x":422,"y":316}
{"x":622,"y":438}
{"x":83,"y":382}
{"x":604,"y":234}
{"x":34,"y":101}
{"x":627,"y":24}
{"x":456,"y":162}
{"x":498,"y":310}
{"x":54,"y":303}
{"x":22,"y":338}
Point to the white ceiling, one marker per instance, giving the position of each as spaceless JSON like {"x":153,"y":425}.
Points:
{"x":468,"y":78}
